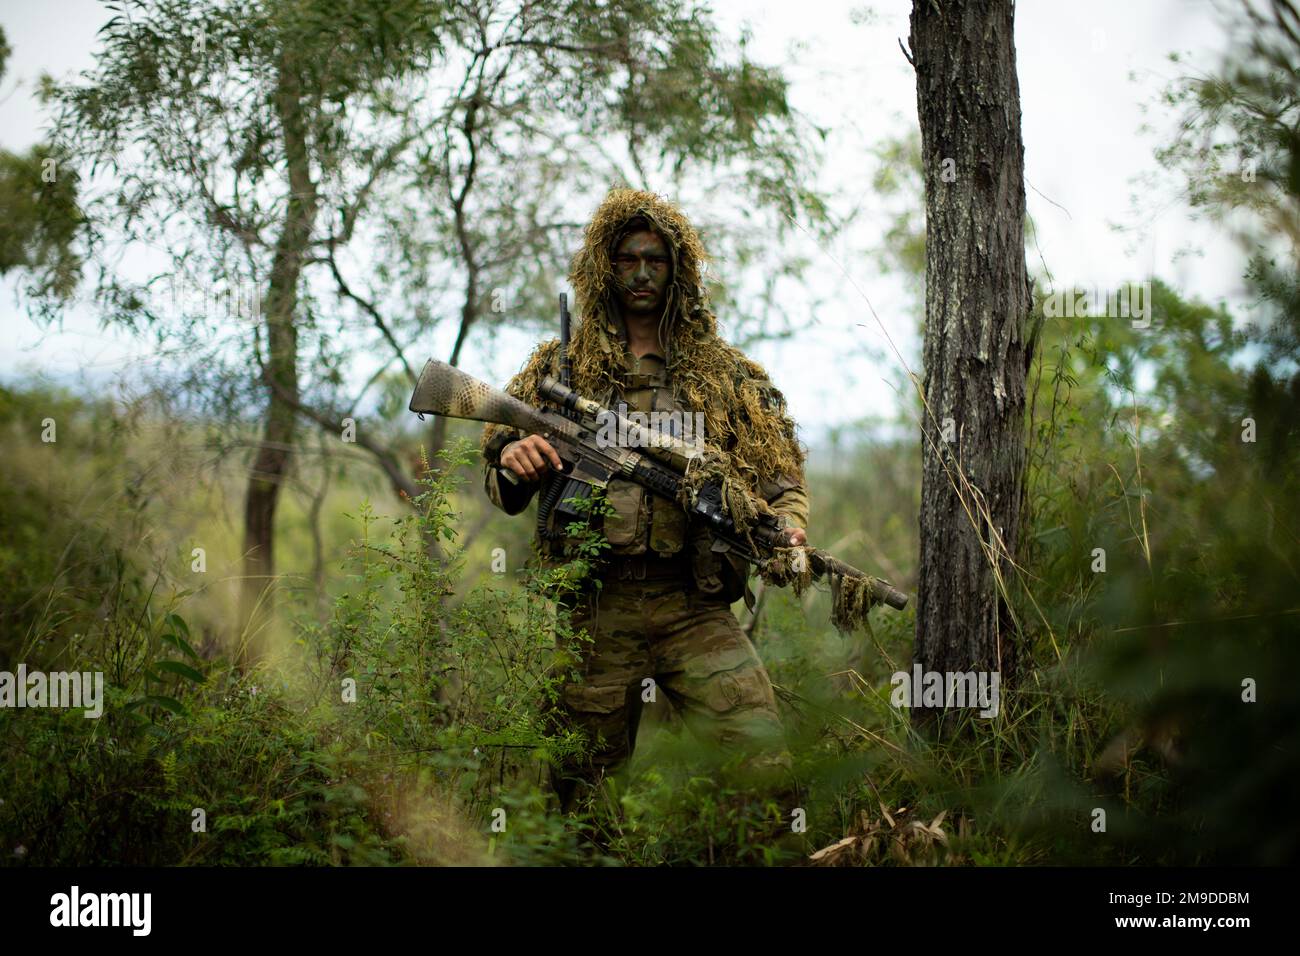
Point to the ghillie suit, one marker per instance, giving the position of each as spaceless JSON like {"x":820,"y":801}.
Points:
{"x":662,"y":615}
{"x":744,"y":413}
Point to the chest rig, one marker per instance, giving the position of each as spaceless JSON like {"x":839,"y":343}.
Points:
{"x":644,"y":522}
{"x":641,"y":523}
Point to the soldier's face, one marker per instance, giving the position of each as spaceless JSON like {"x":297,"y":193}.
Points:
{"x":642,"y":268}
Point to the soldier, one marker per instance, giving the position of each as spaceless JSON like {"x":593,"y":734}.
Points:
{"x":646,"y":339}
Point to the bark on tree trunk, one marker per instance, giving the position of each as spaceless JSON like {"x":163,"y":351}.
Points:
{"x":271,"y":463}
{"x":977,"y":336}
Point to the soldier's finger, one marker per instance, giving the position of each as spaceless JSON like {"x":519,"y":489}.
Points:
{"x":517,"y":463}
{"x":553,"y":455}
{"x":535,"y":458}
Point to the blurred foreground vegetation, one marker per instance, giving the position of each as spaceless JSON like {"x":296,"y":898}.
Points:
{"x":1132,"y":704}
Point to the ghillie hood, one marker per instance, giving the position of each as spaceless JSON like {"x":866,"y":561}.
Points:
{"x":744,"y":413}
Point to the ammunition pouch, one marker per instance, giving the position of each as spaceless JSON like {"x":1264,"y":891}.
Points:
{"x":723,"y":575}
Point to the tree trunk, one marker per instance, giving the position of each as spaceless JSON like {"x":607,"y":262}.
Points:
{"x":280,"y":375}
{"x":977,"y":337}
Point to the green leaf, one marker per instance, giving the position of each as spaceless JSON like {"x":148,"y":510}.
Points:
{"x":177,"y":623}
{"x":166,"y":703}
{"x":178,"y":642}
{"x":176,"y":667}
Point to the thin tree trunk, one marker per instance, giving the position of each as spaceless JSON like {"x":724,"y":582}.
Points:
{"x":977,"y":337}
{"x":438,"y":431}
{"x":468,"y":311}
{"x":271,"y":463}
{"x":317,"y":537}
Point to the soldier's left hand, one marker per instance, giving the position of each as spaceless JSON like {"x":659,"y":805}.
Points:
{"x":797,"y":537}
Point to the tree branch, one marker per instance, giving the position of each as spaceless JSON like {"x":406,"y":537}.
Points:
{"x":346,"y":290}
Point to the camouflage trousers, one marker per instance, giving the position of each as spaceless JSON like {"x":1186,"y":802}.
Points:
{"x":664,"y":639}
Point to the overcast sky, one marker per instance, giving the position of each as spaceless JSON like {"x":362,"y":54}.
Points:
{"x":1084,"y":69}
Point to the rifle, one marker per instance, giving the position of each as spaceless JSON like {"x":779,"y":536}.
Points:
{"x":649,"y":457}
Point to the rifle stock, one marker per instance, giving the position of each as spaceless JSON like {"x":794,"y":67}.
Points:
{"x":446,"y":390}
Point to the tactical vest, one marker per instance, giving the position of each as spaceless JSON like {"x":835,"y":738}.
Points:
{"x":644,"y":522}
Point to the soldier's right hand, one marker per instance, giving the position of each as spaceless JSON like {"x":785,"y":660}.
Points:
{"x":528,"y":457}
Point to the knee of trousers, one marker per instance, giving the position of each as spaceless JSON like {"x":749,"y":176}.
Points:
{"x":737,"y":705}
{"x":602,"y":714}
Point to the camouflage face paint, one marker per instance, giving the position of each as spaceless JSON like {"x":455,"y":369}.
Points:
{"x":642,"y":271}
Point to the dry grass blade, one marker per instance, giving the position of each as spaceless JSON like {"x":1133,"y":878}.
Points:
{"x":892,"y":838}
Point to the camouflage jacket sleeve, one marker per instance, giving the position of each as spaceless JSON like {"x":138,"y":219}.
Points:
{"x":509,"y":497}
{"x":786,"y":494}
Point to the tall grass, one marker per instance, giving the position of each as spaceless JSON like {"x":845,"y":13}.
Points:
{"x":1130,"y":709}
